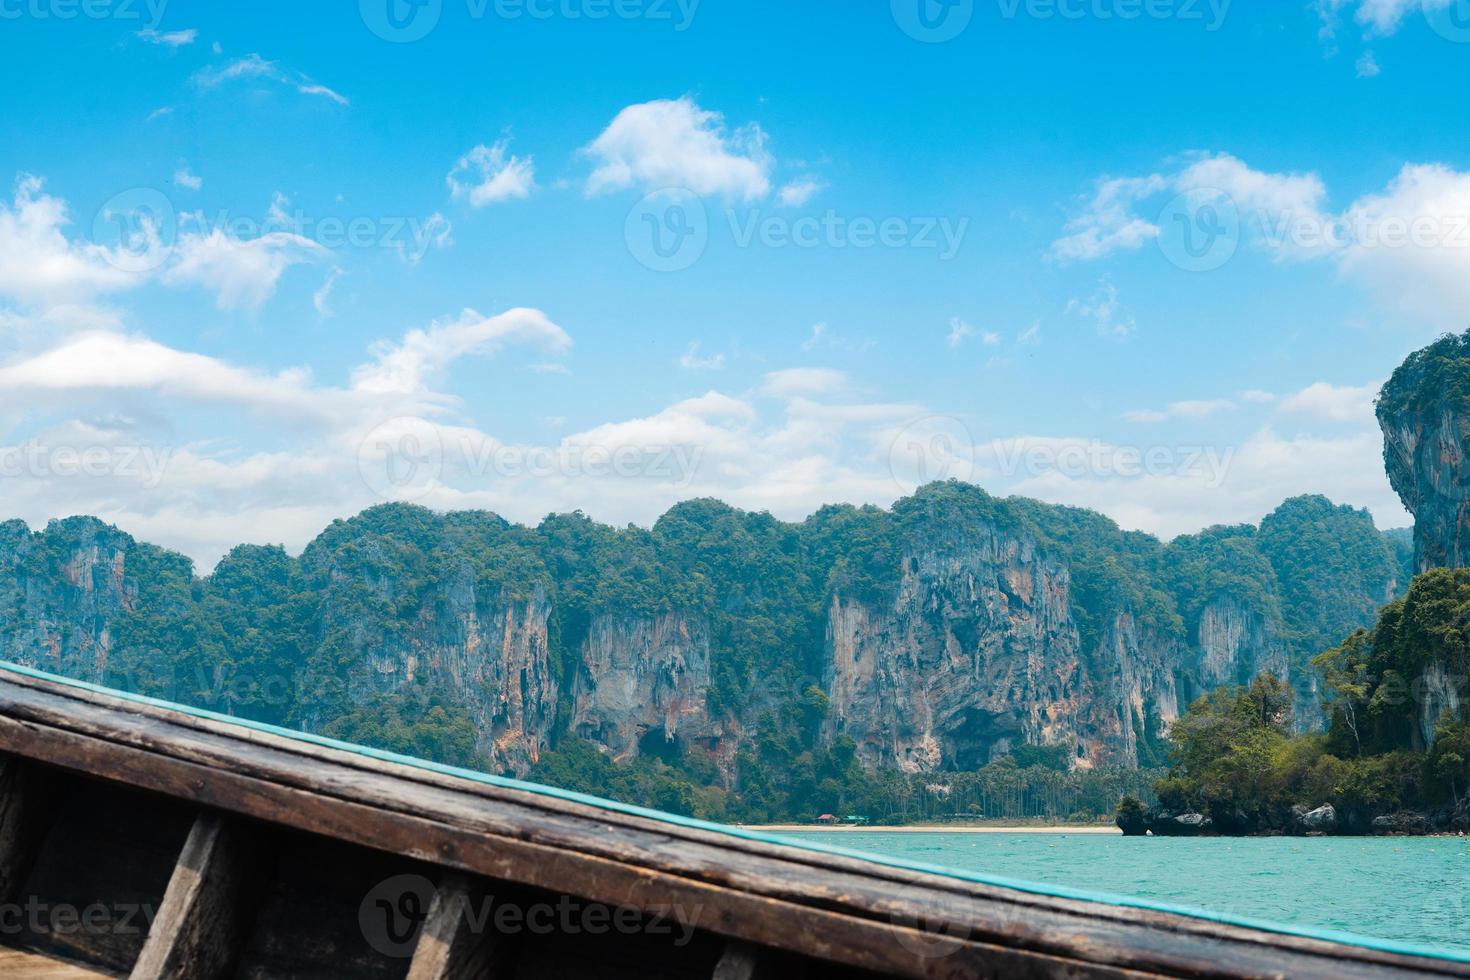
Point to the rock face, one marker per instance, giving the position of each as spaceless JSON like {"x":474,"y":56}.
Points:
{"x":1427,"y":467}
{"x":935,"y":681}
{"x":1424,"y":411}
{"x":1135,"y":673}
{"x":640,"y":676}
{"x":487,"y":648}
{"x":62,"y":594}
{"x":978,"y":653}
{"x":1236,"y":643}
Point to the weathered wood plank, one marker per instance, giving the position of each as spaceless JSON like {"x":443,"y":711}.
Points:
{"x":24,"y":805}
{"x":206,"y":909}
{"x":16,"y":964}
{"x":843,"y":910}
{"x":740,"y":961}
{"x":450,"y":947}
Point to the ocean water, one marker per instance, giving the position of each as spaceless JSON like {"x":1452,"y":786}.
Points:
{"x":1407,"y":890}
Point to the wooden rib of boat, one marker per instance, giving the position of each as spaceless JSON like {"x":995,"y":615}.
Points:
{"x":141,"y":841}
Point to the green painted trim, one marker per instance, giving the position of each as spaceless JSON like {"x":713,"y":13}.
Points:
{"x":1032,"y":888}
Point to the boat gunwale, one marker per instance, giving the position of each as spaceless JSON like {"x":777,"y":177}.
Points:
{"x":979,"y":916}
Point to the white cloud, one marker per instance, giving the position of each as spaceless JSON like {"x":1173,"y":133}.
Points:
{"x":823,"y":336}
{"x":799,"y":192}
{"x":321,"y":299}
{"x":185,"y":178}
{"x":1111,"y":318}
{"x":241,"y":272}
{"x":408,"y":366}
{"x":254,"y":67}
{"x":674,"y":143}
{"x":1409,"y":244}
{"x":1334,"y":403}
{"x":691,"y":360}
{"x":1192,"y":410}
{"x":171,"y":39}
{"x":1367,"y":66}
{"x":803,"y":381}
{"x":38,"y":265}
{"x":960,"y":331}
{"x":435,"y":231}
{"x":1378,"y":18}
{"x":1110,"y":221}
{"x":488,"y":175}
{"x":103,"y":362}
{"x":1257,"y":396}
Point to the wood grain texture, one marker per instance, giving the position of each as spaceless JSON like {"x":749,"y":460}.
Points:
{"x":849,"y":912}
{"x":17,"y":964}
{"x":449,"y":948}
{"x":206,"y":910}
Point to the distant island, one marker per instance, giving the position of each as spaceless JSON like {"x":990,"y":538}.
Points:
{"x":1394,"y":757}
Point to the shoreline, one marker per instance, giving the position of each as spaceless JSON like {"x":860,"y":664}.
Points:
{"x":792,"y":828}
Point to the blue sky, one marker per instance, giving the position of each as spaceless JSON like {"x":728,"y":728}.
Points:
{"x":263,"y":265}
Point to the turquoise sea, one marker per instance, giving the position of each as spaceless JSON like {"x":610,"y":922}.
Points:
{"x":1407,"y":890}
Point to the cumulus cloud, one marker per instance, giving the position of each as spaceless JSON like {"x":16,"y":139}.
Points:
{"x":490,"y":174}
{"x":253,"y":67}
{"x":39,"y":265}
{"x":1409,"y":244}
{"x":674,"y":143}
{"x":1335,"y":403}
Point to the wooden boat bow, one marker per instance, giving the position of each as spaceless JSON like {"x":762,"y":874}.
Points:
{"x":253,"y":853}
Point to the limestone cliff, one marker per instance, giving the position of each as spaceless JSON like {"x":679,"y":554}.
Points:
{"x":641,"y":676}
{"x":1237,"y":642}
{"x":483,"y":646}
{"x":978,"y":653}
{"x":62,"y":593}
{"x":1424,"y":411}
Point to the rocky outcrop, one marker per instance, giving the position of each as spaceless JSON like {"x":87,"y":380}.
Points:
{"x":1424,"y":411}
{"x":63,"y":592}
{"x":1322,"y":820}
{"x":640,"y":676}
{"x":978,"y":652}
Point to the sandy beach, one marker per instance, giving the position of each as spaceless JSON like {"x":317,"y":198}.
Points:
{"x":987,"y":829}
